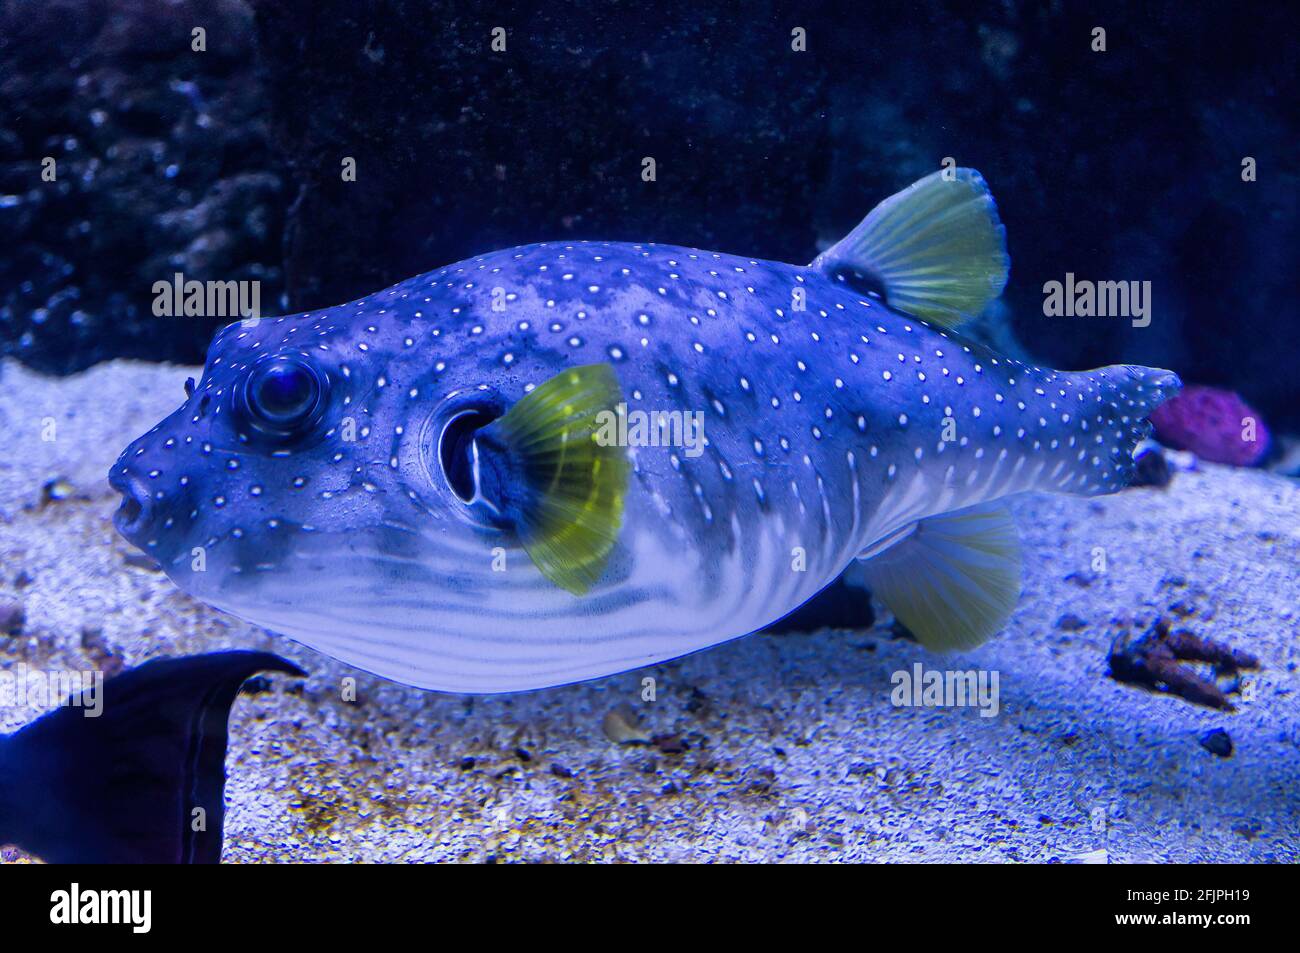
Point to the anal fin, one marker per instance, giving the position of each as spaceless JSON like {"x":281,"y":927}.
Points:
{"x":954,"y":580}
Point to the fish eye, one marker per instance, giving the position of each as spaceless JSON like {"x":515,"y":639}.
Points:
{"x":284,"y":396}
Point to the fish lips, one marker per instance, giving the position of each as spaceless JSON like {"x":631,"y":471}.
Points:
{"x":135,"y":514}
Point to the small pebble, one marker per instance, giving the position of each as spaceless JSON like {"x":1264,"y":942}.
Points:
{"x":12,"y":617}
{"x":1151,"y":469}
{"x":55,"y":490}
{"x":1217,"y":742}
{"x":669,"y":744}
{"x":621,"y":727}
{"x":1070,"y":622}
{"x":99,"y":651}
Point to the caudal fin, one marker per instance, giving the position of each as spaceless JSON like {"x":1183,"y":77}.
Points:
{"x":144,"y":781}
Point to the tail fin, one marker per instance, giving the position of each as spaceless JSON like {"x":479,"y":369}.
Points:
{"x":1114,"y":424}
{"x":133,"y":784}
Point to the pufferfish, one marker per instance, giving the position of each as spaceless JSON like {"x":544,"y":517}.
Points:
{"x":564,"y":460}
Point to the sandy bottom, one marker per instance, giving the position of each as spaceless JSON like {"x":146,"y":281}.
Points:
{"x":767,"y":748}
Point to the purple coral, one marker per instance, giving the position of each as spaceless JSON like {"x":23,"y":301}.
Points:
{"x":1215,"y":424}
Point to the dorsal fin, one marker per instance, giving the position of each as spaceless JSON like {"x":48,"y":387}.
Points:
{"x":937,"y":248}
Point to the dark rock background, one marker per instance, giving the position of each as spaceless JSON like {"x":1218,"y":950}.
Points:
{"x":164,"y":164}
{"x":226,"y":164}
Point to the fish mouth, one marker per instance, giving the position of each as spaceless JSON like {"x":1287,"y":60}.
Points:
{"x":133,"y":514}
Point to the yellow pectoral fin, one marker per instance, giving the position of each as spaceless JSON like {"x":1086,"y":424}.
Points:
{"x":954,"y":580}
{"x":572,"y":506}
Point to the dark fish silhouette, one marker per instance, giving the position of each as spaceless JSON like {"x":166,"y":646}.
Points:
{"x":132,"y":785}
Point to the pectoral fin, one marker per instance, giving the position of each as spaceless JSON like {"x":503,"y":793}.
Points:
{"x":556,"y":485}
{"x":954,"y":580}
